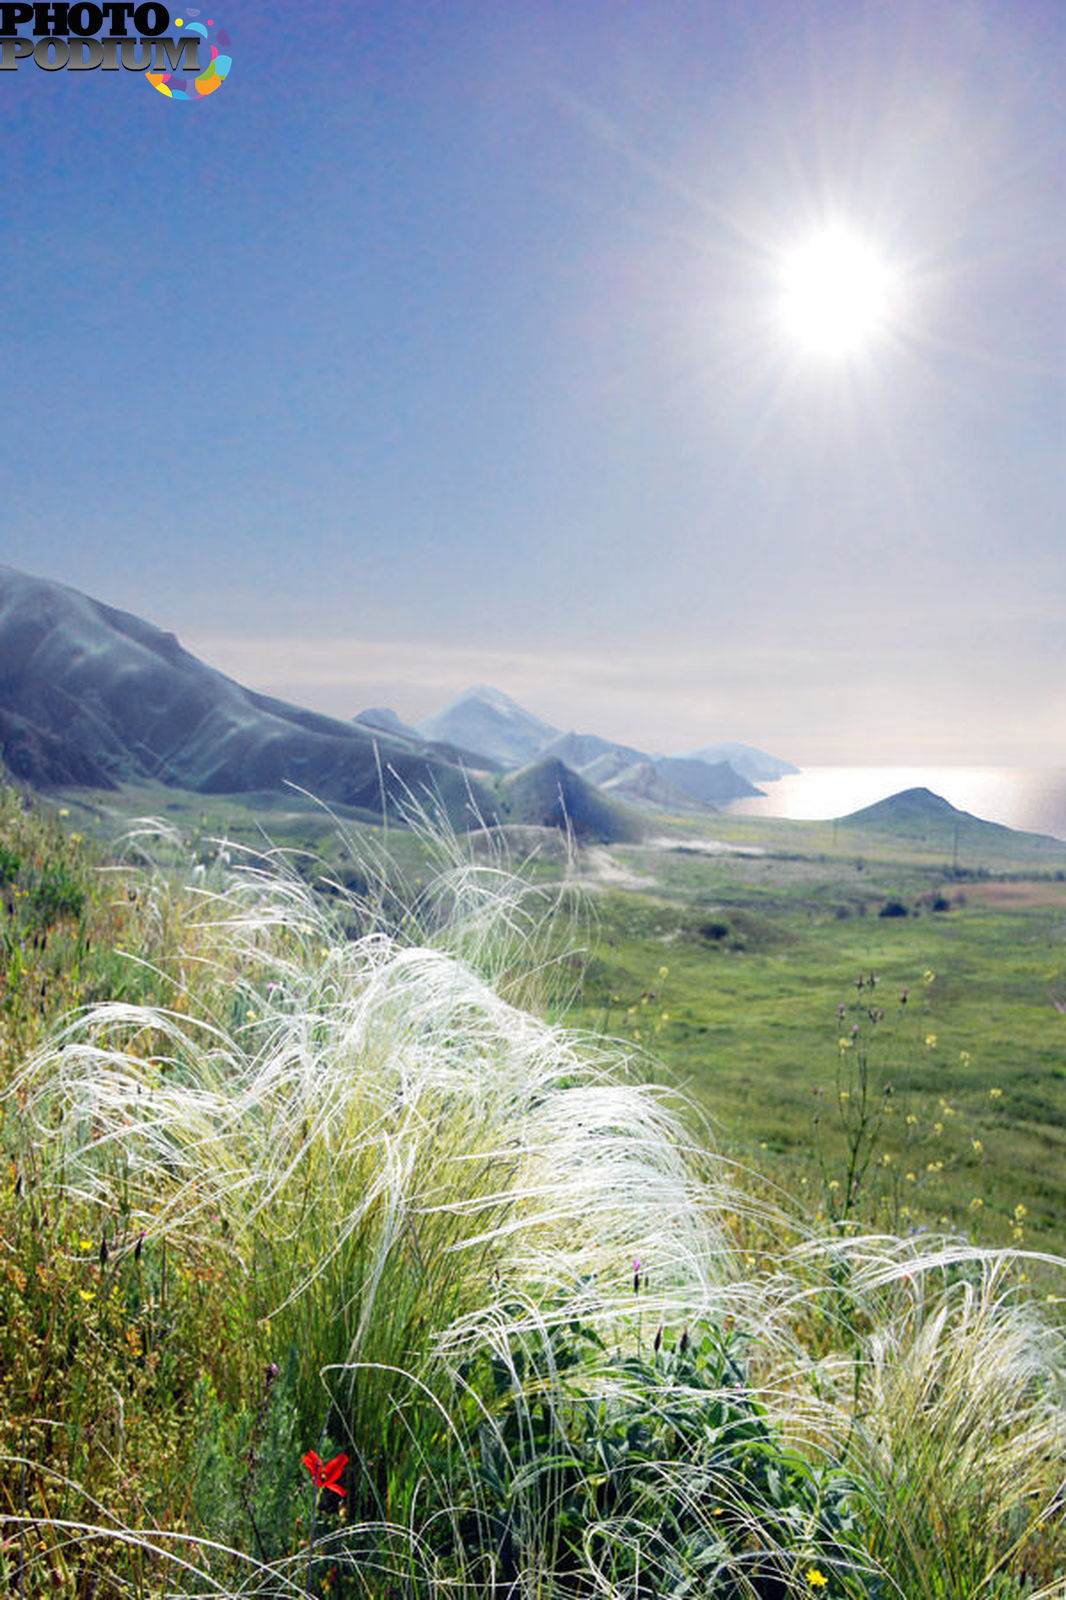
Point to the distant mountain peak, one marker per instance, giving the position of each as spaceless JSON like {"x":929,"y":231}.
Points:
{"x":755,"y":765}
{"x":489,"y":722}
{"x":493,"y":697}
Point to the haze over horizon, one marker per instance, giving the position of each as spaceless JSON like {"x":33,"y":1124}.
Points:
{"x":452,"y":354}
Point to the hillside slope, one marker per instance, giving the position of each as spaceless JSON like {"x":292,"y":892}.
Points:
{"x":95,"y":696}
{"x":548,"y":794}
{"x":918,"y":816}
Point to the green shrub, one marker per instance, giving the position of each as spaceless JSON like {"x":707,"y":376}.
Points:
{"x":648,"y":1475}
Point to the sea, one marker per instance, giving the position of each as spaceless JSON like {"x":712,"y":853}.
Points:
{"x":1030,"y":798}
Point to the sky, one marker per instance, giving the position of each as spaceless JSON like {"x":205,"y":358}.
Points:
{"x":444,"y":345}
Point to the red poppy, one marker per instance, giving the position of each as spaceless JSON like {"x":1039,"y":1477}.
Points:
{"x":325,"y":1474}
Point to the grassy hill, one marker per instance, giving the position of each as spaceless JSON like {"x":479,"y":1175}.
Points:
{"x":926,"y":818}
{"x":548,"y":794}
{"x":92,"y":695}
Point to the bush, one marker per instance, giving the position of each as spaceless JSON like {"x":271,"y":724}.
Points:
{"x":656,"y":1471}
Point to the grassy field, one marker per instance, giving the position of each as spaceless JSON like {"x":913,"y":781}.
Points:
{"x":732,"y":970}
{"x":761,"y":949}
{"x":350,"y":1245}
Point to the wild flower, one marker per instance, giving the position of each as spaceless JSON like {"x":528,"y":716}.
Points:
{"x":326,"y":1474}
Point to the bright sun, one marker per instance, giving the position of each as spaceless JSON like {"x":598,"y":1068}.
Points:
{"x":836,"y":294}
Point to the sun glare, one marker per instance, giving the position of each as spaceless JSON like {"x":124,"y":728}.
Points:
{"x":836,"y":295}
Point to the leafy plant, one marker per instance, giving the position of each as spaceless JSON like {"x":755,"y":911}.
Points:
{"x":654,"y":1474}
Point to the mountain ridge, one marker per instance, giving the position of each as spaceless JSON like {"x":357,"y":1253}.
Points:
{"x":94,"y":696}
{"x":90,"y":692}
{"x":490,"y":722}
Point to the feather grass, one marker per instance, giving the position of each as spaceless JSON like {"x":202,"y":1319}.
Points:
{"x":408,"y":1171}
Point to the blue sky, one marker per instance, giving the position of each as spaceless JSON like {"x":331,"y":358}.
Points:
{"x":440,"y":347}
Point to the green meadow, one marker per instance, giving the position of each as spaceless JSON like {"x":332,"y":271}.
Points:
{"x":732,"y":970}
{"x":385,"y":1213}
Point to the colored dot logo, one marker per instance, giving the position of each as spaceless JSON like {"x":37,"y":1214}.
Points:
{"x":211,"y":41}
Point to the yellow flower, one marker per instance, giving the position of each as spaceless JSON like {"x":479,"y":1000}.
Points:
{"x":994,"y":1094}
{"x":928,"y":975}
{"x":977,"y":1146}
{"x":663,"y":971}
{"x":816,"y":1579}
{"x":87,"y":1295}
{"x":930,"y":1041}
{"x":911,"y":1119}
{"x":976,"y":1203}
{"x":911,"y":1178}
{"x":85,"y":1245}
{"x":964,"y":1057}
